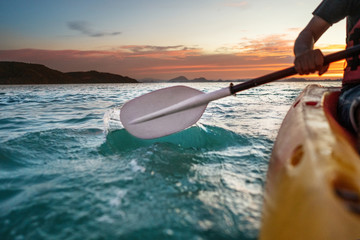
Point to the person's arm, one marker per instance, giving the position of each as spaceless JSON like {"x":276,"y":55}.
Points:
{"x":308,"y":60}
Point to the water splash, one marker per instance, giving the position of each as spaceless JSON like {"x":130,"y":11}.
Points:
{"x":198,"y":137}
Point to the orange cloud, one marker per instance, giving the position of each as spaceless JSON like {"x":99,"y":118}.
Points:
{"x":332,"y":47}
{"x":213,"y":68}
{"x":161,"y":52}
{"x":249,"y":59}
{"x":273,"y":45}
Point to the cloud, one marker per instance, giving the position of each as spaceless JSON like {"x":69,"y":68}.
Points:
{"x":163,"y":62}
{"x":248,"y":59}
{"x":271,"y":45}
{"x":296,"y":30}
{"x":151,"y":48}
{"x":158,"y":52}
{"x":84,"y":28}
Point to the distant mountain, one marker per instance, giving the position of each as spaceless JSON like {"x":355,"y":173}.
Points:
{"x":27,"y":73}
{"x":99,"y":77}
{"x":309,"y":80}
{"x":179,"y":79}
{"x":151,"y":80}
{"x":184,"y":79}
{"x":201,"y":79}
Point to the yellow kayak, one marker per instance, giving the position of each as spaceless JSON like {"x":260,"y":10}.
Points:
{"x":313,"y":182}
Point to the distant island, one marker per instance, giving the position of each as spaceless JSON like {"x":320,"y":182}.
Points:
{"x":182,"y":79}
{"x":28,"y":73}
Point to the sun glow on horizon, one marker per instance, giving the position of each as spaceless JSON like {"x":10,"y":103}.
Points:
{"x":214,"y":39}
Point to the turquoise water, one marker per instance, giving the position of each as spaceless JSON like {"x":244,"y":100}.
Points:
{"x":68,"y":170}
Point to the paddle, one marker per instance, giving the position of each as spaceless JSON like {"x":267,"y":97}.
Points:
{"x":169,"y":110}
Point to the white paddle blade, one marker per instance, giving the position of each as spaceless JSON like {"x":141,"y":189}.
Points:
{"x":161,"y":113}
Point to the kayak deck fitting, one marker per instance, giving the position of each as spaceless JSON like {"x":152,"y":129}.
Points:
{"x":313,"y":181}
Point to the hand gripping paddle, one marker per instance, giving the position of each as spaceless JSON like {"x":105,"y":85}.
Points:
{"x":170,"y":110}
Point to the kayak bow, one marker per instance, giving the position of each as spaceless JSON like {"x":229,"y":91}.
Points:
{"x":313,"y":182}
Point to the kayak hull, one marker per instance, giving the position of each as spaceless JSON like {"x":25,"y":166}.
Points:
{"x":313,"y":182}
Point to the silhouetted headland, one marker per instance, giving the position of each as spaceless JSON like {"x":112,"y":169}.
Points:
{"x":28,"y":73}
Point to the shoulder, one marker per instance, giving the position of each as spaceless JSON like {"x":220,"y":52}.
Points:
{"x":354,"y":7}
{"x":333,"y":11}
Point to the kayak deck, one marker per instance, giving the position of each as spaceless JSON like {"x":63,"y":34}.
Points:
{"x":313,"y":182}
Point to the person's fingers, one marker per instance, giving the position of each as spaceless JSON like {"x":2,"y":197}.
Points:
{"x":318,"y":59}
{"x":301,"y":64}
{"x":306,"y":66}
{"x":298,"y":67}
{"x":310,"y":62}
{"x":323,"y":69}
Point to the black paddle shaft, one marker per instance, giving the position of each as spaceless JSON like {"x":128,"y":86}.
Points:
{"x":351,"y":51}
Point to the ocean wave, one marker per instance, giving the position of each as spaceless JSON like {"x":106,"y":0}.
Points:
{"x":43,"y":146}
{"x":196,"y":137}
{"x":81,"y":119}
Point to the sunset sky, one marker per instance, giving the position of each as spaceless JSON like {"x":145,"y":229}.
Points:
{"x":162,"y":39}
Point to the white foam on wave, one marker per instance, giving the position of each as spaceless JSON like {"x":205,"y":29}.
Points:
{"x":112,"y":120}
{"x":118,"y":198}
{"x":135,"y":167}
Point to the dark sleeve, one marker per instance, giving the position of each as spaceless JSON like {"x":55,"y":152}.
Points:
{"x":333,"y":11}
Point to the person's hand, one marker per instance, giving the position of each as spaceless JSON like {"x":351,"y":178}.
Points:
{"x":310,"y":61}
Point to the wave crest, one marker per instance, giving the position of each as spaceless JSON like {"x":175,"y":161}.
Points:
{"x":198,"y":136}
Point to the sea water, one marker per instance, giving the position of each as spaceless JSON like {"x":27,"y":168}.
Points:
{"x":68,"y":169}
